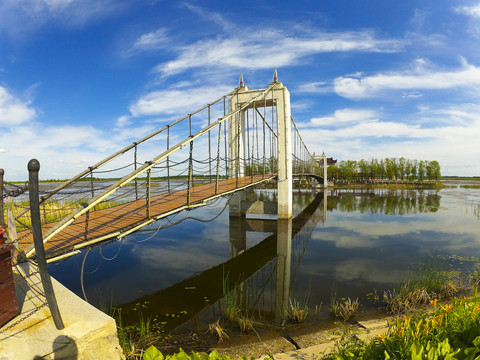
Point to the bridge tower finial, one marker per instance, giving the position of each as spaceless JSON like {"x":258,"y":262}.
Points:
{"x":275,"y":76}
{"x":241,"y":83}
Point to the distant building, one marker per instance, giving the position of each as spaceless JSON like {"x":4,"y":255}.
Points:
{"x":330,"y":161}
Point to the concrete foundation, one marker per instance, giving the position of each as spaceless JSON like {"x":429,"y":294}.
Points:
{"x":89,"y":333}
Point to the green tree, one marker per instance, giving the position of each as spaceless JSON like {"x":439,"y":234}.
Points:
{"x":391,"y":168}
{"x":421,"y":170}
{"x":364,"y":168}
{"x":432,"y":169}
{"x":402,"y":165}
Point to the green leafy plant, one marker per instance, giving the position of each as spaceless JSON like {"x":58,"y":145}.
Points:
{"x":444,"y":331}
{"x":152,"y":353}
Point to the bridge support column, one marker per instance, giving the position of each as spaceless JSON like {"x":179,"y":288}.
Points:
{"x":324,"y":162}
{"x":284,"y":263}
{"x":284,"y":136}
{"x":237,"y":224}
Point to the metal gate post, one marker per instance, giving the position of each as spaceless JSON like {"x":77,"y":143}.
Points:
{"x":33,"y":169}
{"x":2,"y":223}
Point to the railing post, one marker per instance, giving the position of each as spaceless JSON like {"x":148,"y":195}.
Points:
{"x":33,"y":169}
{"x":91,"y":182}
{"x":149,"y":183}
{"x":135,"y":168}
{"x":168,"y":158}
{"x":2,"y":218}
{"x":209,"y":149}
{"x":218,"y":156}
{"x":87,"y":216}
{"x":190,"y":174}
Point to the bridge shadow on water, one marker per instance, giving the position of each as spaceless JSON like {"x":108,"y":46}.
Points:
{"x":184,"y":300}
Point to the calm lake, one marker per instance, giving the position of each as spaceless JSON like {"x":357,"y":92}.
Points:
{"x":348,"y":242}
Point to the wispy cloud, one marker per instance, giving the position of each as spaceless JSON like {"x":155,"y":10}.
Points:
{"x":467,"y":77}
{"x":152,"y":40}
{"x":314,"y":87}
{"x":173,"y":101}
{"x":270,"y":48}
{"x":34,"y":13}
{"x":345,"y":116}
{"x":211,"y":16}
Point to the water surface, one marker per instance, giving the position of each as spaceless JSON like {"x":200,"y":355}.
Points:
{"x":350,"y":242}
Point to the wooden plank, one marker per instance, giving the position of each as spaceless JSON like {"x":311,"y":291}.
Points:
{"x":123,"y":217}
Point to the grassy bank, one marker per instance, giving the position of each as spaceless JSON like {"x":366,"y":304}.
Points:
{"x":443,"y":330}
{"x":426,"y":306}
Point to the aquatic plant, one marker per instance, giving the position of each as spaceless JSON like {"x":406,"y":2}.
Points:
{"x":217,"y":330}
{"x":245,"y":324}
{"x":134,"y":338}
{"x":333,"y":300}
{"x":236,"y":307}
{"x":296,"y":312}
{"x":405,"y":299}
{"x":428,"y":282}
{"x":345,"y":308}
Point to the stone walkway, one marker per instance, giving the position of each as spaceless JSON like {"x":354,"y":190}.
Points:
{"x":312,"y":346}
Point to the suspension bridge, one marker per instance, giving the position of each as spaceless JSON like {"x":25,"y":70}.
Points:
{"x":242,"y":139}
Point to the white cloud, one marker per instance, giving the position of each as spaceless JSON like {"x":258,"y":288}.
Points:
{"x":14,"y":111}
{"x":210,"y":16}
{"x":270,"y":48}
{"x":123,"y":121}
{"x":467,"y":77}
{"x":449,"y":135}
{"x":152,"y":40}
{"x":469,"y":10}
{"x":35,"y":13}
{"x":314,"y":87}
{"x":173,"y":101}
{"x":344,"y":116}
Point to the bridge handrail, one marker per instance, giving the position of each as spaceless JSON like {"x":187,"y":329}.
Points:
{"x":297,"y":133}
{"x":121,"y":152}
{"x":67,"y":220}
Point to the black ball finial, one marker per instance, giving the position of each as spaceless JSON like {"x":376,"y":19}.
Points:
{"x":34,"y":165}
{"x":2,"y":172}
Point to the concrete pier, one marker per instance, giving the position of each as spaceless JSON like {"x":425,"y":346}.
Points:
{"x":89,"y":333}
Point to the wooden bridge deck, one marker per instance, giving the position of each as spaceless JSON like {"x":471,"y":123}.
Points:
{"x":115,"y":221}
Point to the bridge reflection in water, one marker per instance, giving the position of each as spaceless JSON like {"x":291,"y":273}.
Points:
{"x":258,"y":279}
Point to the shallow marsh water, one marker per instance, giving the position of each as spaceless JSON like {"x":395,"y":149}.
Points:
{"x":349,"y":242}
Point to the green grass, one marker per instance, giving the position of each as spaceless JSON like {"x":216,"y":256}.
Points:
{"x":427,"y":282}
{"x":468,"y":186}
{"x":52,"y":211}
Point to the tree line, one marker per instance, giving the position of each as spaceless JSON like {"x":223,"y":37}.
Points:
{"x":388,"y":168}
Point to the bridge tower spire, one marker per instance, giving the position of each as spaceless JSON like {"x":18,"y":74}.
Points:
{"x":241,"y":83}
{"x":275,"y":77}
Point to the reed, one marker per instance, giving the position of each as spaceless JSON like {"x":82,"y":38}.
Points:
{"x":52,"y":211}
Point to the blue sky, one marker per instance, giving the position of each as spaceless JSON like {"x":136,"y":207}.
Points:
{"x":79,"y":79}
